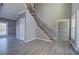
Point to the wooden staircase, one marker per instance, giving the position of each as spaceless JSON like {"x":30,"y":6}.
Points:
{"x":48,"y":31}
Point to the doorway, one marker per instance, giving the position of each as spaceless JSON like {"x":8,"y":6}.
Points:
{"x":63,"y":29}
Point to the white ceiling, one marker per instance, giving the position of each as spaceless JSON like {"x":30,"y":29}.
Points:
{"x":12,"y":10}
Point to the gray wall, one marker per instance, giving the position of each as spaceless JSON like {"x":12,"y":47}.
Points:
{"x":50,"y":13}
{"x":11,"y":26}
{"x":26,"y":26}
{"x":75,"y":7}
{"x":75,"y":11}
{"x":29,"y":28}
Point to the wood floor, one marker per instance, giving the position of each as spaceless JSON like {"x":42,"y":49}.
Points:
{"x":12,"y":46}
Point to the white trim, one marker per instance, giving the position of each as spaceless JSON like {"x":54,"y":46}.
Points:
{"x":63,"y":20}
{"x":35,"y":39}
{"x":29,"y":40}
{"x":48,"y":40}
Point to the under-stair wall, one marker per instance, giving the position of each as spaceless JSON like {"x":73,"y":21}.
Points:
{"x":40,"y":34}
{"x":32,"y":31}
{"x":47,"y":30}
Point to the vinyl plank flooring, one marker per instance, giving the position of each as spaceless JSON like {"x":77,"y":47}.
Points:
{"x":13,"y":46}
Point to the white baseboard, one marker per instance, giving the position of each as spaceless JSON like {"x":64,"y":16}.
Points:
{"x":48,"y":40}
{"x":30,"y":40}
{"x":27,"y":40}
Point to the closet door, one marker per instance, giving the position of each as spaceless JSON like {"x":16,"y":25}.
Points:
{"x":22,"y":27}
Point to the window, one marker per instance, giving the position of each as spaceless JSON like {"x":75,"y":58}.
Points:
{"x":3,"y":28}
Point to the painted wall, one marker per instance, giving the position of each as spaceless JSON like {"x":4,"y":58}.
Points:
{"x":11,"y":26}
{"x":11,"y":10}
{"x":75,"y":11}
{"x":41,"y":34}
{"x":50,"y":13}
{"x":75,"y":7}
{"x":28,"y":28}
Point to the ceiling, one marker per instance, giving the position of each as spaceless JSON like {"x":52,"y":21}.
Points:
{"x":12,"y":10}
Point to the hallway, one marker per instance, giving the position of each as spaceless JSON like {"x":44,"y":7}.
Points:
{"x":12,"y":46}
